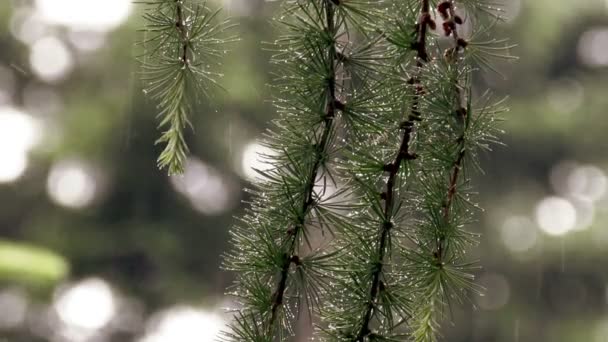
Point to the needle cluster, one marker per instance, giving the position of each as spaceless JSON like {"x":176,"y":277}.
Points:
{"x":361,"y":219}
{"x":184,"y":40}
{"x":322,"y":85}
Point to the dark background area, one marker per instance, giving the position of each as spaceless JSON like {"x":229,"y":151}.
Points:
{"x":97,"y":244}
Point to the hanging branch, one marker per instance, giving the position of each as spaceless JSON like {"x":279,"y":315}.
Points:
{"x":280,"y":271}
{"x":183,"y":42}
{"x":393,"y":169}
{"x":393,"y":144}
{"x":450,"y":26}
{"x":370,"y":300}
{"x":456,"y":130}
{"x":327,"y":126}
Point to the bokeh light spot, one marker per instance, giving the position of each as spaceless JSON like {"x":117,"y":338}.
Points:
{"x":18,"y":129}
{"x":13,"y":166}
{"x":19,"y":132}
{"x":50,"y":59}
{"x":255,"y":156}
{"x":72,"y":183}
{"x":27,"y":25}
{"x":593,"y":47}
{"x":585,"y":213}
{"x":588,"y":182}
{"x":184,"y":324}
{"x":555,"y":215}
{"x":97,"y":15}
{"x":88,"y":305}
{"x":208,"y":191}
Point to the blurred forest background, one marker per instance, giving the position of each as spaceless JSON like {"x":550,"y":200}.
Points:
{"x":96,"y":244}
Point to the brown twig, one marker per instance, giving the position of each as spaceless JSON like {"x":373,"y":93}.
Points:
{"x":183,"y":31}
{"x":393,"y":169}
{"x":453,"y":21}
{"x":332,"y":105}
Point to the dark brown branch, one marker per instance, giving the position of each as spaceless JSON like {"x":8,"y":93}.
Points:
{"x":389,"y":198}
{"x":423,"y":24}
{"x":393,"y":169}
{"x":333,"y":104}
{"x":183,"y":31}
{"x":449,"y":12}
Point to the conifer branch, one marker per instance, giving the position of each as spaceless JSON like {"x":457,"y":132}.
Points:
{"x":291,"y":253}
{"x":451,"y":28}
{"x":435,"y":284}
{"x":401,"y":141}
{"x":288,"y":202}
{"x":183,"y":41}
{"x":445,"y":276}
{"x":322,"y":149}
{"x":371,"y":300}
{"x":403,"y":154}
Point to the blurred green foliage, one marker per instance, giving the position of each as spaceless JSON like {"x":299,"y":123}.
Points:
{"x":30,"y":264}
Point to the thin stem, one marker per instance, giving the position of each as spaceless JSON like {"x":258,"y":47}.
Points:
{"x":321,"y":149}
{"x":461,"y":112}
{"x":423,"y":22}
{"x":393,"y":169}
{"x":183,"y":31}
